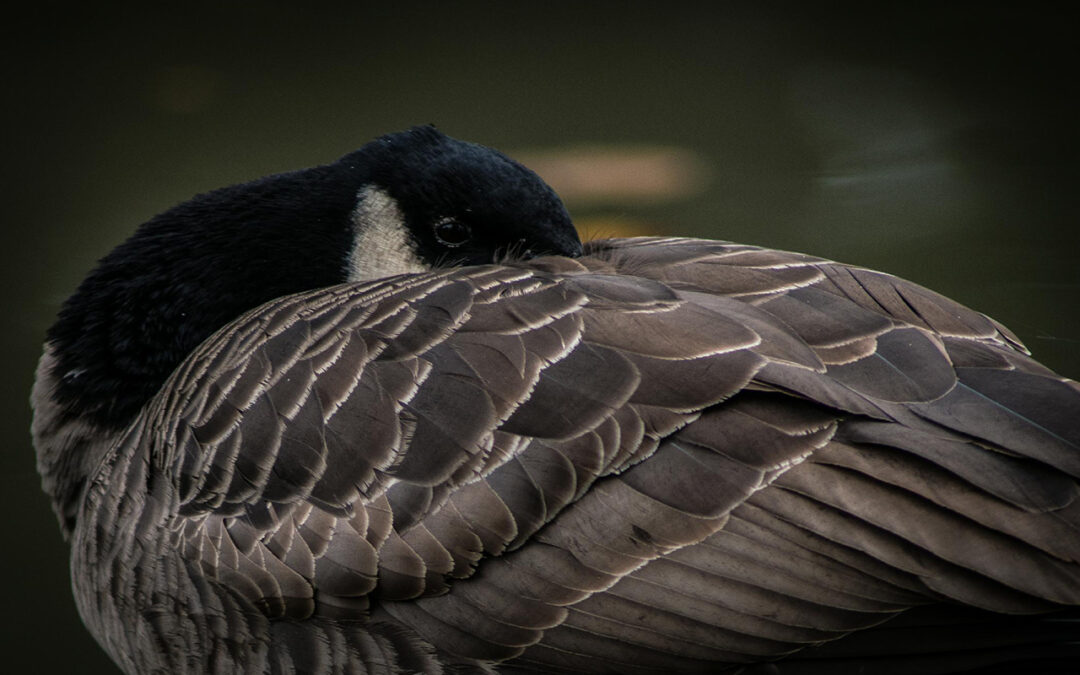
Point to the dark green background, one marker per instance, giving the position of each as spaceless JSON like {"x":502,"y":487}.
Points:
{"x":937,"y":143}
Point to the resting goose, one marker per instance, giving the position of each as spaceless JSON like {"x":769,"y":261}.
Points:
{"x":389,"y":415}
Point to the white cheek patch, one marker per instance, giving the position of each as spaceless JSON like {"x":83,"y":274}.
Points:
{"x":383,"y":246}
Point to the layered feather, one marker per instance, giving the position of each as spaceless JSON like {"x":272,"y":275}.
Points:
{"x":668,"y":455}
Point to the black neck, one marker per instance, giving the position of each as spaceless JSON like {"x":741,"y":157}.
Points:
{"x":188,"y":272}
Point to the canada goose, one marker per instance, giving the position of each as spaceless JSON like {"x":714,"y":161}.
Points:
{"x":389,"y":415}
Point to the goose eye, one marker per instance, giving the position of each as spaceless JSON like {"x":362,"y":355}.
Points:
{"x":452,"y":233}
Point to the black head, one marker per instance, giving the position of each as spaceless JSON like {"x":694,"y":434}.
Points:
{"x":190,"y":270}
{"x":465,"y":204}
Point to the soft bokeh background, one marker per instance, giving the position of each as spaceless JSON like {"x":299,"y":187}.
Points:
{"x":935,"y":141}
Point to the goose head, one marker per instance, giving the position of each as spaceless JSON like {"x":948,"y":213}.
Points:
{"x":404,"y":203}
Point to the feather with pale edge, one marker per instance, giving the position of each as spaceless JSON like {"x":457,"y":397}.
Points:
{"x":666,"y":455}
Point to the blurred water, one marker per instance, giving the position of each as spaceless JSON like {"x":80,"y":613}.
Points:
{"x":937,"y":143}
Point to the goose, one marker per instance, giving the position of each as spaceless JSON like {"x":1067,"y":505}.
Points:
{"x":390,"y":415}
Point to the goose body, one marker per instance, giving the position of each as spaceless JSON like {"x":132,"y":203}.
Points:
{"x":358,"y":419}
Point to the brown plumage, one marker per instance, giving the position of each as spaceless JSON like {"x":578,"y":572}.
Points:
{"x":666,"y":455}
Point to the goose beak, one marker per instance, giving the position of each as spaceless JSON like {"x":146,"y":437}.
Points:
{"x":568,"y":245}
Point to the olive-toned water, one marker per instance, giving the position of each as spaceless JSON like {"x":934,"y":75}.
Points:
{"x":939,"y":144}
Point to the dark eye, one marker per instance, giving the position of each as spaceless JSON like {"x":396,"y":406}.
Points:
{"x":452,"y":233}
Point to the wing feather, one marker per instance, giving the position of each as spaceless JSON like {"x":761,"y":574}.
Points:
{"x":666,"y":454}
